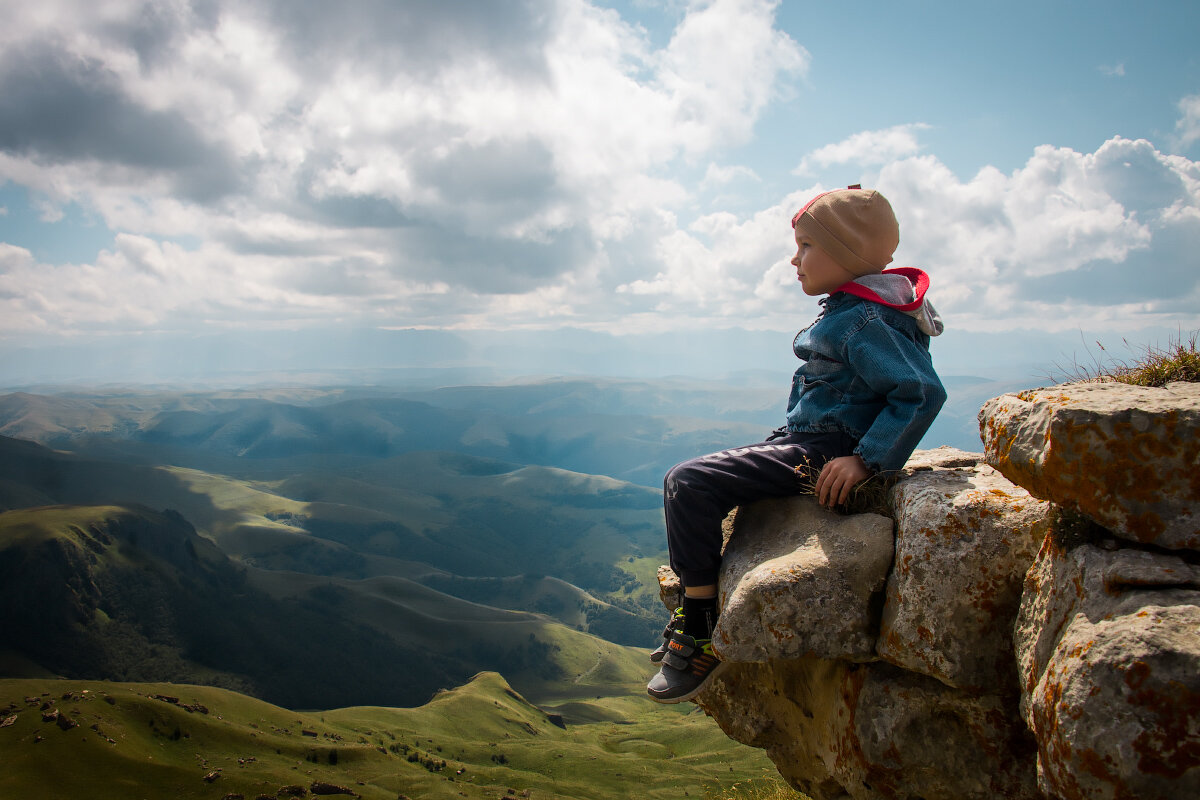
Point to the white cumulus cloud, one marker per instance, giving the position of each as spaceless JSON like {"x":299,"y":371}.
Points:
{"x":1068,"y":240}
{"x":389,"y":152}
{"x":533,"y":164}
{"x":867,"y":148}
{"x":1187,"y":128}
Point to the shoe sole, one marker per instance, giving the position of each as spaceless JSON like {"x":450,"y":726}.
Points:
{"x":683,"y":698}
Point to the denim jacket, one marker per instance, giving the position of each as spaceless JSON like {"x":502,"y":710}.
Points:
{"x":867,"y":373}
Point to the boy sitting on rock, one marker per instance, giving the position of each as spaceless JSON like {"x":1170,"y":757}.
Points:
{"x":859,"y":404}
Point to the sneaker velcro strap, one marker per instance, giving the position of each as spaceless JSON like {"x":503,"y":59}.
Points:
{"x":681,"y":644}
{"x":678,"y":662}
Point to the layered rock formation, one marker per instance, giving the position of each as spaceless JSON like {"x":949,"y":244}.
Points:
{"x":1026,"y":626}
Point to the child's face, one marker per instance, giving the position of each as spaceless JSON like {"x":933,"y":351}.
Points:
{"x":816,"y":270}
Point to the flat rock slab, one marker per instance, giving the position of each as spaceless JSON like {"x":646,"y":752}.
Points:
{"x":965,"y":537}
{"x":798,"y":580}
{"x":1126,"y":456}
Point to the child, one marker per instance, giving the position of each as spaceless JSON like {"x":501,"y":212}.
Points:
{"x":859,"y":404}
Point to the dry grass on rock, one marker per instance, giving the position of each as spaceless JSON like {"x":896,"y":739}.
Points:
{"x":1155,"y":365}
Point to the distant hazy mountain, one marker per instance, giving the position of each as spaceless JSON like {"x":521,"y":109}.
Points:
{"x":630,"y":430}
{"x":552,"y":424}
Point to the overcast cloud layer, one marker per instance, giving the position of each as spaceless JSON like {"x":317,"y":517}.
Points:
{"x":488,"y":165}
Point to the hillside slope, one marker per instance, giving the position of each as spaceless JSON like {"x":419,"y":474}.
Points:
{"x":125,"y":593}
{"x":426,"y":516}
{"x":481,"y":740}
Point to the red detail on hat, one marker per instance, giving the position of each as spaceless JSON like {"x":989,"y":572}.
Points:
{"x":808,"y":205}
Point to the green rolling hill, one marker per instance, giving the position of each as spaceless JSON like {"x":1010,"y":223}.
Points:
{"x":421,"y":515}
{"x":125,"y":593}
{"x":320,"y":549}
{"x":63,"y":740}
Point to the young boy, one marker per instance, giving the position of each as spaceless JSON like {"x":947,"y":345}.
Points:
{"x":859,"y":404}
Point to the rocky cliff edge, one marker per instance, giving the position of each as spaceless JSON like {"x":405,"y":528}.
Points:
{"x":1022,"y":623}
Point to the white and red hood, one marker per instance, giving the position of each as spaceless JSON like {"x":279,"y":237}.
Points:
{"x":901,"y":288}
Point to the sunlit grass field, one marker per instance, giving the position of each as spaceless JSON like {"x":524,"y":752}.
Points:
{"x":481,"y":740}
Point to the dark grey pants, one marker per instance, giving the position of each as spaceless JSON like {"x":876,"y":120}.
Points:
{"x":700,"y":492}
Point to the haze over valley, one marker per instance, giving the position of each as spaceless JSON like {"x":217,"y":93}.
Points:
{"x":322,"y":548}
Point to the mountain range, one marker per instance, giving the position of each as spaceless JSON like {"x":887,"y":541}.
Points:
{"x":350,"y":547}
{"x":437,"y":531}
{"x":330,"y":616}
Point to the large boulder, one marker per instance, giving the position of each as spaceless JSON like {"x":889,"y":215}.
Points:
{"x":999,"y":669}
{"x":842,"y":731}
{"x":799,"y":580}
{"x":1108,"y":647}
{"x":1126,"y":456}
{"x":965,"y":536}
{"x":802,"y":595}
{"x":789,"y":709}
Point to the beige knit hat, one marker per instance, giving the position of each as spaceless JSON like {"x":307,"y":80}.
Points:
{"x":856,"y":226}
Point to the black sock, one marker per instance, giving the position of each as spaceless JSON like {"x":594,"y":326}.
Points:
{"x":699,"y":616}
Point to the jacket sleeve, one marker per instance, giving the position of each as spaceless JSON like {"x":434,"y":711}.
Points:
{"x":899,"y":370}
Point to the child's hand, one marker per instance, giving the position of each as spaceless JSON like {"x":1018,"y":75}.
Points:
{"x":838,"y":477}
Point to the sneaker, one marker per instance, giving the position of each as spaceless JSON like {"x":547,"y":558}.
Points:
{"x":686,"y":668}
{"x":676,"y":624}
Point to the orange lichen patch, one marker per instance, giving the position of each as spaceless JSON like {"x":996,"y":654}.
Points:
{"x":847,"y":749}
{"x":1119,"y":473}
{"x":1080,"y":650}
{"x":780,"y":635}
{"x":1045,"y":723}
{"x":997,"y":441}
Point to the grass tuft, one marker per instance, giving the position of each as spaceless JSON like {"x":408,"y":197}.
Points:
{"x":1153,"y":366}
{"x":868,"y":497}
{"x":756,"y":789}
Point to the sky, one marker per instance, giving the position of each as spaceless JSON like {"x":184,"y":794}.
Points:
{"x":314,"y":175}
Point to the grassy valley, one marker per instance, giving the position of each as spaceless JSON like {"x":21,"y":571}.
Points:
{"x":423,"y":516}
{"x":481,"y":740}
{"x":131,"y":594}
{"x":358,"y":551}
